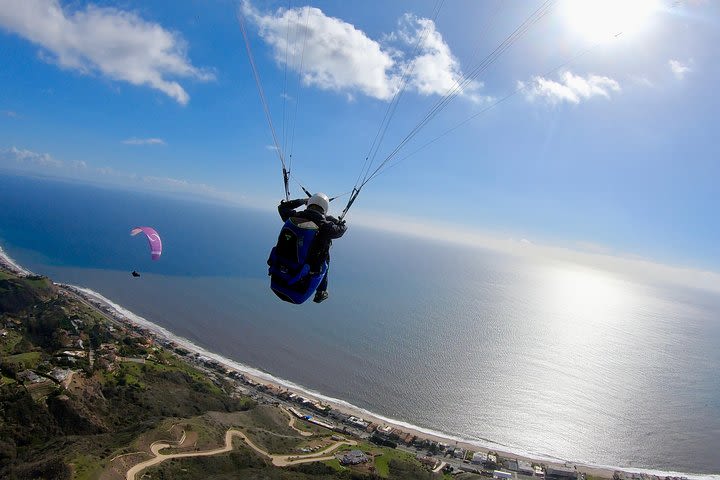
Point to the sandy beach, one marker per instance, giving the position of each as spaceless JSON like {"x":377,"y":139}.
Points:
{"x":9,"y":264}
{"x":120,"y":314}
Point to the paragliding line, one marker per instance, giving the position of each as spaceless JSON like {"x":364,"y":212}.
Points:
{"x":452,"y":93}
{"x":286,"y":182}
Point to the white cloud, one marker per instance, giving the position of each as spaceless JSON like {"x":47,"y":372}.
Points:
{"x":144,"y":141}
{"x":116,"y":43}
{"x":571,"y":88}
{"x":679,"y":69}
{"x":336,"y":56}
{"x":18,"y":158}
{"x":10,"y":113}
{"x":435,"y":70}
{"x":339,"y":57}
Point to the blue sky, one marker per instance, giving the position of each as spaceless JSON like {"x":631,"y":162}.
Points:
{"x":614,"y":152}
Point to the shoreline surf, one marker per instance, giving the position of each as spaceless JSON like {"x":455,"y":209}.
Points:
{"x":344,"y":406}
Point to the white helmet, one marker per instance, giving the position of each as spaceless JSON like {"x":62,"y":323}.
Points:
{"x":321,"y":200}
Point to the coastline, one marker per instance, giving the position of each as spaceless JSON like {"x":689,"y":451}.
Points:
{"x":127,"y":317}
{"x":9,"y":264}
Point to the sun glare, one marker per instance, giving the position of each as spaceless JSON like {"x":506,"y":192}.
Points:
{"x":584,"y":294}
{"x":597,"y":20}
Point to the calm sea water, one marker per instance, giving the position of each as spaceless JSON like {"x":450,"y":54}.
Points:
{"x":536,"y":355}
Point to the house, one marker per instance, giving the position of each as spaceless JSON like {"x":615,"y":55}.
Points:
{"x":525,"y":467}
{"x":427,"y":461}
{"x":502,"y":475}
{"x":353,"y":457}
{"x":510,"y":464}
{"x":275,"y":390}
{"x":560,"y":472}
{"x":30,"y":376}
{"x":459,"y":453}
{"x":320,"y":407}
{"x":59,"y":374}
{"x":74,"y":353}
{"x":310,"y":419}
{"x":479,"y":458}
{"x":385,"y":430}
{"x":358,"y":422}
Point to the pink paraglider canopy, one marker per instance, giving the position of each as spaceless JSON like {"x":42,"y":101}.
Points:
{"x":153,"y":240}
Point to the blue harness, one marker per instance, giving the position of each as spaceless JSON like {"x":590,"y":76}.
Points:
{"x":290,"y":275}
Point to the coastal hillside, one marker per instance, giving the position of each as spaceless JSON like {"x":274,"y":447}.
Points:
{"x":75,"y":388}
{"x":83,"y":396}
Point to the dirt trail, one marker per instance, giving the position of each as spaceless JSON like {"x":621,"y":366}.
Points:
{"x":277,"y":460}
{"x":291,"y":424}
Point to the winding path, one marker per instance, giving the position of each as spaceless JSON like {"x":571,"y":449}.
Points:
{"x":277,"y":460}
{"x":291,"y":424}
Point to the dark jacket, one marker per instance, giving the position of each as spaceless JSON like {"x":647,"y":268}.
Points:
{"x":330,"y":227}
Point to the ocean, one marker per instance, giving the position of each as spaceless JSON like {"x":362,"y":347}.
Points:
{"x":532,"y":355}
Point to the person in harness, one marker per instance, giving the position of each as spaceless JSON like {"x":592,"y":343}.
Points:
{"x":300,"y":260}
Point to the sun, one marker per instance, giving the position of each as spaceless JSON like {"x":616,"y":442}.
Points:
{"x":598,"y":20}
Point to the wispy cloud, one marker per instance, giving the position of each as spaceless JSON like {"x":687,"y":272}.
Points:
{"x":29,"y":162}
{"x":339,"y":57}
{"x":19,"y":158}
{"x":116,"y":43}
{"x":571,"y":88}
{"x":679,"y":69}
{"x":10,"y":113}
{"x":144,"y":141}
{"x":23,"y":160}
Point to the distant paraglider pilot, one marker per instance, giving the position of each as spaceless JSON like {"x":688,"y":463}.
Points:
{"x":300,"y":260}
{"x":135,"y":273}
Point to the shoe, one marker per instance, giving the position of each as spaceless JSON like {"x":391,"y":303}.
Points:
{"x":321,"y":296}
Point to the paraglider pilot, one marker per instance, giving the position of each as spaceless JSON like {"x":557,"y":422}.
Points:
{"x":329,"y":228}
